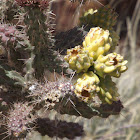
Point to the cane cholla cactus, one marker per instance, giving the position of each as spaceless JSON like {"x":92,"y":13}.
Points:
{"x":38,"y":19}
{"x":32,"y":53}
{"x":97,"y":43}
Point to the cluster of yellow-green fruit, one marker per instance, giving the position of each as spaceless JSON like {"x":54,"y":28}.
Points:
{"x":105,"y":18}
{"x":94,"y":64}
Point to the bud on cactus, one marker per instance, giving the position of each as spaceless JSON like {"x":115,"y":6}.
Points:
{"x":112,"y":64}
{"x":97,"y":42}
{"x":78,"y":59}
{"x":108,"y":90}
{"x":87,"y":86}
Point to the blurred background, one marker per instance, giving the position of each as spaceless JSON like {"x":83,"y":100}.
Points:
{"x":126,"y":126}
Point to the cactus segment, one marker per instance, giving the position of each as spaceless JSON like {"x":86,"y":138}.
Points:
{"x":112,"y":64}
{"x":108,"y":90}
{"x":97,"y":42}
{"x":78,"y":59}
{"x":104,"y":17}
{"x":87,"y":86}
{"x":115,"y":39}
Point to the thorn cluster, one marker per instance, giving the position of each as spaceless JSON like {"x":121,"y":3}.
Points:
{"x":50,"y":92}
{"x":19,"y":119}
{"x":42,"y":4}
{"x":8,"y":33}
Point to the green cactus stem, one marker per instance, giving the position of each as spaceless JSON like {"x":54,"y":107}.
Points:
{"x":108,"y":90}
{"x":38,"y":25}
{"x":104,"y":17}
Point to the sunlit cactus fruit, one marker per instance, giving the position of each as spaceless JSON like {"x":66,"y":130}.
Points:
{"x":108,"y":90}
{"x":87,"y":86}
{"x":112,"y":64}
{"x":78,"y":59}
{"x":97,"y":42}
{"x":104,"y":17}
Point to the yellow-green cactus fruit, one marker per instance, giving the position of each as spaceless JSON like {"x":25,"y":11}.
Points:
{"x":112,"y":64}
{"x":104,"y":17}
{"x":97,"y":42}
{"x":108,"y":90}
{"x":78,"y":59}
{"x":87,"y":86}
